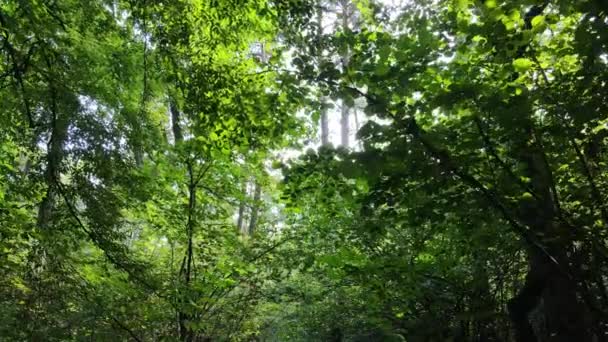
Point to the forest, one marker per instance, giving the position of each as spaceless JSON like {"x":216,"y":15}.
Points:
{"x":304,"y":170}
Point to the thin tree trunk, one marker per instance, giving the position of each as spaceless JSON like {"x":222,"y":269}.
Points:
{"x":175,"y":127}
{"x":324,"y":119}
{"x":59,"y":127}
{"x":324,"y":128}
{"x":241,"y":215}
{"x":255,"y":209}
{"x":344,"y":119}
{"x":357,"y":127}
{"x":344,"y":125}
{"x":185,"y":334}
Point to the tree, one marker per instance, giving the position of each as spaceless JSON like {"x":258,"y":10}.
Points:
{"x":154,"y":181}
{"x":475,"y":96}
{"x":458,"y":121}
{"x":104,"y":222}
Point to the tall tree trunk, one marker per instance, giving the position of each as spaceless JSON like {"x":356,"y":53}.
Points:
{"x":549,"y":276}
{"x":186,"y":334}
{"x":527,"y":299}
{"x":357,"y":127}
{"x":324,"y":128}
{"x":344,"y":110}
{"x":344,"y":125}
{"x":39,"y":259}
{"x":565,"y":316}
{"x":564,"y":313}
{"x":185,"y":271}
{"x":324,"y":119}
{"x":175,"y":127}
{"x":59,"y":128}
{"x":241,"y":215}
{"x":257,"y":194}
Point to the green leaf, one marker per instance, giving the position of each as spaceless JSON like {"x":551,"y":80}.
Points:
{"x":538,"y":21}
{"x":522,"y":64}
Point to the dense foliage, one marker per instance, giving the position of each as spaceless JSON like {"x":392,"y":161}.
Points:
{"x":161,"y":177}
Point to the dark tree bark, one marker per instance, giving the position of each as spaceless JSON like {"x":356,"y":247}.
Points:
{"x":185,"y":334}
{"x":58,"y":135}
{"x":549,"y":277}
{"x":175,"y":127}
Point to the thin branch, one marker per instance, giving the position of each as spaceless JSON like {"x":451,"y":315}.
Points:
{"x":215,"y":194}
{"x":125,"y":328}
{"x":202,"y":173}
{"x":92,"y":235}
{"x":488,"y":143}
{"x":271,"y":248}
